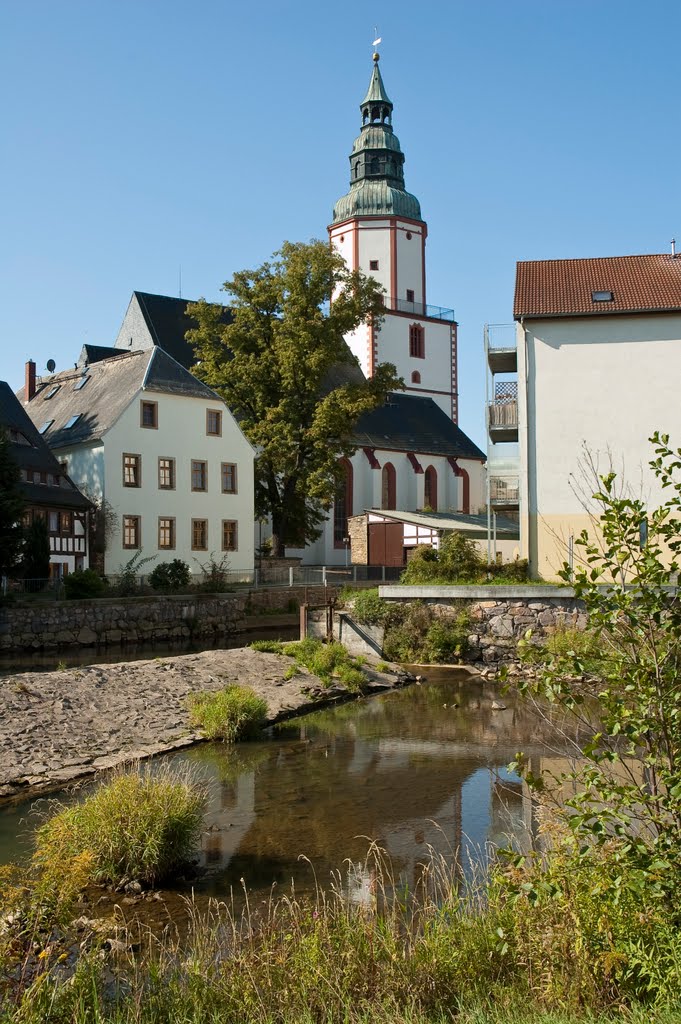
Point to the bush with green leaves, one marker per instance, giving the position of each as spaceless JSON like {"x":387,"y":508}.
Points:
{"x":215,"y":574}
{"x":367,"y":607}
{"x":458,"y":561}
{"x":128,"y":583}
{"x":416,"y":633}
{"x":231,"y":714}
{"x":329,"y":662}
{"x":142,"y":823}
{"x":83,"y":584}
{"x":629,"y":786}
{"x":170,"y":576}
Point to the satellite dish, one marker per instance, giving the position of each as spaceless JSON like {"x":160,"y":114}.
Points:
{"x":51,"y":365}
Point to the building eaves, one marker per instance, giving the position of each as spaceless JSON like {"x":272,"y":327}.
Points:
{"x":637,"y":284}
{"x":409,"y":423}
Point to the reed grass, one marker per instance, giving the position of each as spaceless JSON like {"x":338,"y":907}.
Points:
{"x":143,"y":823}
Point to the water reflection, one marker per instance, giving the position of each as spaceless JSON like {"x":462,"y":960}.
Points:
{"x":418,"y":770}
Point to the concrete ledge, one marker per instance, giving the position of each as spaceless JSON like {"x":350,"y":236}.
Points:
{"x":474,"y":593}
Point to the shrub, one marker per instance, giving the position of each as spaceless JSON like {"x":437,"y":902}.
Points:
{"x":215,"y":574}
{"x":83,"y":583}
{"x":576,"y":644}
{"x":367,"y":607}
{"x":327,"y":661}
{"x":231,"y":714}
{"x":170,"y":576}
{"x":267,"y":646}
{"x":142,"y":823}
{"x":414,"y":633}
{"x":128,"y":574}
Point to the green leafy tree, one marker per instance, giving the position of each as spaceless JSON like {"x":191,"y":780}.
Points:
{"x":274,"y":366}
{"x":629,"y":702}
{"x":36,"y":552}
{"x":12,"y":505}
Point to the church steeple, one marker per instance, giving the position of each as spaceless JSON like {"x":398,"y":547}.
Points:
{"x":376,"y":162}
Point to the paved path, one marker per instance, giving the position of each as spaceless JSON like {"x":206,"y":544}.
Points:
{"x":58,"y":726}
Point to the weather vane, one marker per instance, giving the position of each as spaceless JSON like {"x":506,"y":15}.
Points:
{"x":376,"y":41}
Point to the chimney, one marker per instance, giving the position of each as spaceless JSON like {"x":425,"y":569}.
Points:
{"x":29,"y":390}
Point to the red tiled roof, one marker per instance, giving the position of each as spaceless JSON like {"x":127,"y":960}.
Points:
{"x":639,"y":284}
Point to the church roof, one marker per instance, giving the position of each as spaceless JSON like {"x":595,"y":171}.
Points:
{"x":110,"y":385}
{"x":376,"y":163}
{"x":409,"y":423}
{"x":376,"y":91}
{"x":621,"y":284}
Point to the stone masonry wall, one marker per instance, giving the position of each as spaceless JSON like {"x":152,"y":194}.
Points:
{"x":498,"y":625}
{"x":500,"y":616}
{"x":135,"y":620}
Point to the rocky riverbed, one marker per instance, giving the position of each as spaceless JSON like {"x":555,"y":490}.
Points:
{"x":56,"y":727}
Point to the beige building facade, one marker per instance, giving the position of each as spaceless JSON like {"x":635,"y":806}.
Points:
{"x":598,"y":364}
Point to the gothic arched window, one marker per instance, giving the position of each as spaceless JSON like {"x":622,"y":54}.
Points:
{"x":416,"y":377}
{"x":388,"y":486}
{"x":430,"y":488}
{"x":342,"y":505}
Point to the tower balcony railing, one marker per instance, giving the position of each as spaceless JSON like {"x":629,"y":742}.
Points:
{"x":418,"y":309}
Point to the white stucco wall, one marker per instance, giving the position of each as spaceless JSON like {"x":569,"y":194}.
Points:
{"x":604,"y":383}
{"x":367,"y":493}
{"x":410,"y":260}
{"x":435,"y":369}
{"x":181,"y":435}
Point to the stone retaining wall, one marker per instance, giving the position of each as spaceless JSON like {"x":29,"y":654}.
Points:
{"x":140,"y":619}
{"x":500,"y":616}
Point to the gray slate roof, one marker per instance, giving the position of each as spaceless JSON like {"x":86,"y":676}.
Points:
{"x":408,"y":423}
{"x":35,"y":455}
{"x":168,"y":323}
{"x":111,"y":385}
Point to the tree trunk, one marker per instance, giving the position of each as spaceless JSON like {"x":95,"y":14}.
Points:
{"x":278,"y":534}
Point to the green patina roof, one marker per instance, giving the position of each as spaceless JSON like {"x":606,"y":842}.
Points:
{"x":376,"y":90}
{"x":376,"y":163}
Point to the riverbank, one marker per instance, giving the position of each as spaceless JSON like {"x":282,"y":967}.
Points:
{"x":61,"y":726}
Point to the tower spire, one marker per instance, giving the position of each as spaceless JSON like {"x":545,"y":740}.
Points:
{"x":376,"y":162}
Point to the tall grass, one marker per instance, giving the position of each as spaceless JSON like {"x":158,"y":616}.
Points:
{"x":231,"y":714}
{"x":142,"y":824}
{"x":534,"y":948}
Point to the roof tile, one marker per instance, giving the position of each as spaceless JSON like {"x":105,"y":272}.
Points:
{"x":639,"y":284}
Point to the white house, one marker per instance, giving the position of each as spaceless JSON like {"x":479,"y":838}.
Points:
{"x":599,"y":361}
{"x":137,"y":429}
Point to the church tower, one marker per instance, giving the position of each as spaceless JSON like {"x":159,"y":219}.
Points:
{"x":378,"y":228}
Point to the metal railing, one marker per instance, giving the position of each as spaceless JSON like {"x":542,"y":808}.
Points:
{"x":501,"y":489}
{"x":419,"y":308}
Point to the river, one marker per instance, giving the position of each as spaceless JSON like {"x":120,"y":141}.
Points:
{"x":416,"y":770}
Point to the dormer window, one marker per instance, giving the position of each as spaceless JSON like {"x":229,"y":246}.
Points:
{"x":52,"y":392}
{"x":46,"y":426}
{"x":81,"y":383}
{"x":603,"y":296}
{"x":72,"y":420}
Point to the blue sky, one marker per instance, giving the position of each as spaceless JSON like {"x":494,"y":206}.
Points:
{"x":144,"y":135}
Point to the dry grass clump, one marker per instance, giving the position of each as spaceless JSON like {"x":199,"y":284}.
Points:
{"x":143,"y":823}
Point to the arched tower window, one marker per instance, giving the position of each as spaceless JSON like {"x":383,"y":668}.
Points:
{"x":357,"y":169}
{"x":388,"y":486}
{"x":374,"y":166}
{"x":430,"y":488}
{"x":365,"y":115}
{"x":417,"y":344}
{"x":416,"y":377}
{"x":375,"y":114}
{"x":342,"y":505}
